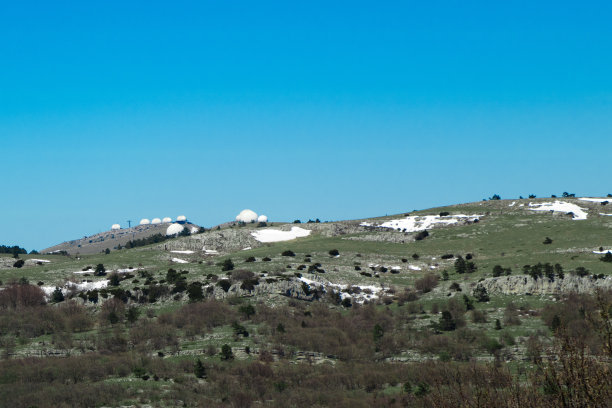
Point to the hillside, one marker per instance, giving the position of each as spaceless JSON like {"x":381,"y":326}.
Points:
{"x":476,"y":282}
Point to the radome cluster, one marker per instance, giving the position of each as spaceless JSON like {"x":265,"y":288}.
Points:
{"x":248,"y":216}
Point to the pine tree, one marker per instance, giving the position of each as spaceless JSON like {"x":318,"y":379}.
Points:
{"x":199,"y":369}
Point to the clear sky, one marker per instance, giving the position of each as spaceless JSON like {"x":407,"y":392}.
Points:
{"x":115,"y":110}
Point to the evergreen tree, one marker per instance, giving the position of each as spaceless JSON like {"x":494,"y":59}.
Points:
{"x":199,"y":370}
{"x":100,"y":271}
{"x":57,"y":295}
{"x":480,"y":293}
{"x":226,"y":352}
{"x":447,"y":323}
{"x":460,"y":266}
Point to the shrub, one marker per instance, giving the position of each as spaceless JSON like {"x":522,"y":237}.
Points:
{"x":415,"y":256}
{"x":460,"y":265}
{"x":100,"y":270}
{"x":447,"y":256}
{"x":19,"y":263}
{"x":226,"y":352}
{"x":250,"y":259}
{"x":447,"y":323}
{"x":247,"y":310}
{"x":455,"y":286}
{"x":547,"y":241}
{"x":224,"y":284}
{"x":199,"y":370}
{"x":444,"y":214}
{"x":480,"y":293}
{"x":194,"y":291}
{"x":334,"y":252}
{"x":114,"y":279}
{"x":346,"y":302}
{"x":607,"y":257}
{"x":57,"y":295}
{"x":478,"y":316}
{"x":427,"y":283}
{"x":495,"y":197}
{"x":172,"y":276}
{"x":421,"y":235}
{"x":581,"y":271}
{"x":227,"y":265}
{"x":288,"y":253}
{"x":266,"y":259}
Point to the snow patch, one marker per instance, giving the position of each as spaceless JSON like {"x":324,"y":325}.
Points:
{"x":512,"y":205}
{"x":179,"y":260}
{"x":40,"y":260}
{"x":605,"y":251}
{"x":416,"y":223}
{"x":182,"y":252}
{"x":414,"y":267}
{"x":561,"y":206}
{"x":275,"y":235}
{"x":595,"y":200}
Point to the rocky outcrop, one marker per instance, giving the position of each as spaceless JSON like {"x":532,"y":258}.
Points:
{"x":524,"y":284}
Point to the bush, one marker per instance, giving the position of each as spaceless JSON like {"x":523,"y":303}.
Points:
{"x":250,"y":259}
{"x":226,"y":352}
{"x":288,"y":253}
{"x":607,"y":257}
{"x":114,"y":279}
{"x":495,"y":197}
{"x":547,"y":241}
{"x":480,"y":293}
{"x":100,"y":270}
{"x":19,"y":263}
{"x":224,"y":284}
{"x":334,"y":252}
{"x":421,"y":235}
{"x":447,"y":323}
{"x":194,"y":291}
{"x":227,"y":265}
{"x":57,"y":295}
{"x":199,"y":370}
{"x":427,"y":283}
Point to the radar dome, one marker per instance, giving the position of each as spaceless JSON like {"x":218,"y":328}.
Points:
{"x":246,"y":216}
{"x":155,"y":221}
{"x":174,"y":229}
{"x":181,"y":218}
{"x":167,"y":220}
{"x":116,"y":227}
{"x":262,"y":218}
{"x":145,"y":221}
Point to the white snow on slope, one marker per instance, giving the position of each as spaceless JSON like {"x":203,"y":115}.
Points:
{"x":609,"y":215}
{"x":414,"y":223}
{"x":595,"y":200}
{"x":182,"y":252}
{"x":605,"y":251}
{"x":275,"y":235}
{"x":178,"y":260}
{"x":79,"y":287}
{"x":512,"y":205}
{"x":356,"y":297}
{"x":561,"y":206}
{"x":414,"y":267}
{"x":39,"y":260}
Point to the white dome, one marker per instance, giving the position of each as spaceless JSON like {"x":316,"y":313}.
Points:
{"x":145,"y":221}
{"x":167,"y":220}
{"x":116,"y":227}
{"x":174,"y":229}
{"x":247,"y":216}
{"x":155,"y":221}
{"x":262,"y":218}
{"x":181,"y":218}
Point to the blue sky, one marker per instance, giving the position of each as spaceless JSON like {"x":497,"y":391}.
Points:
{"x":112,"y":111}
